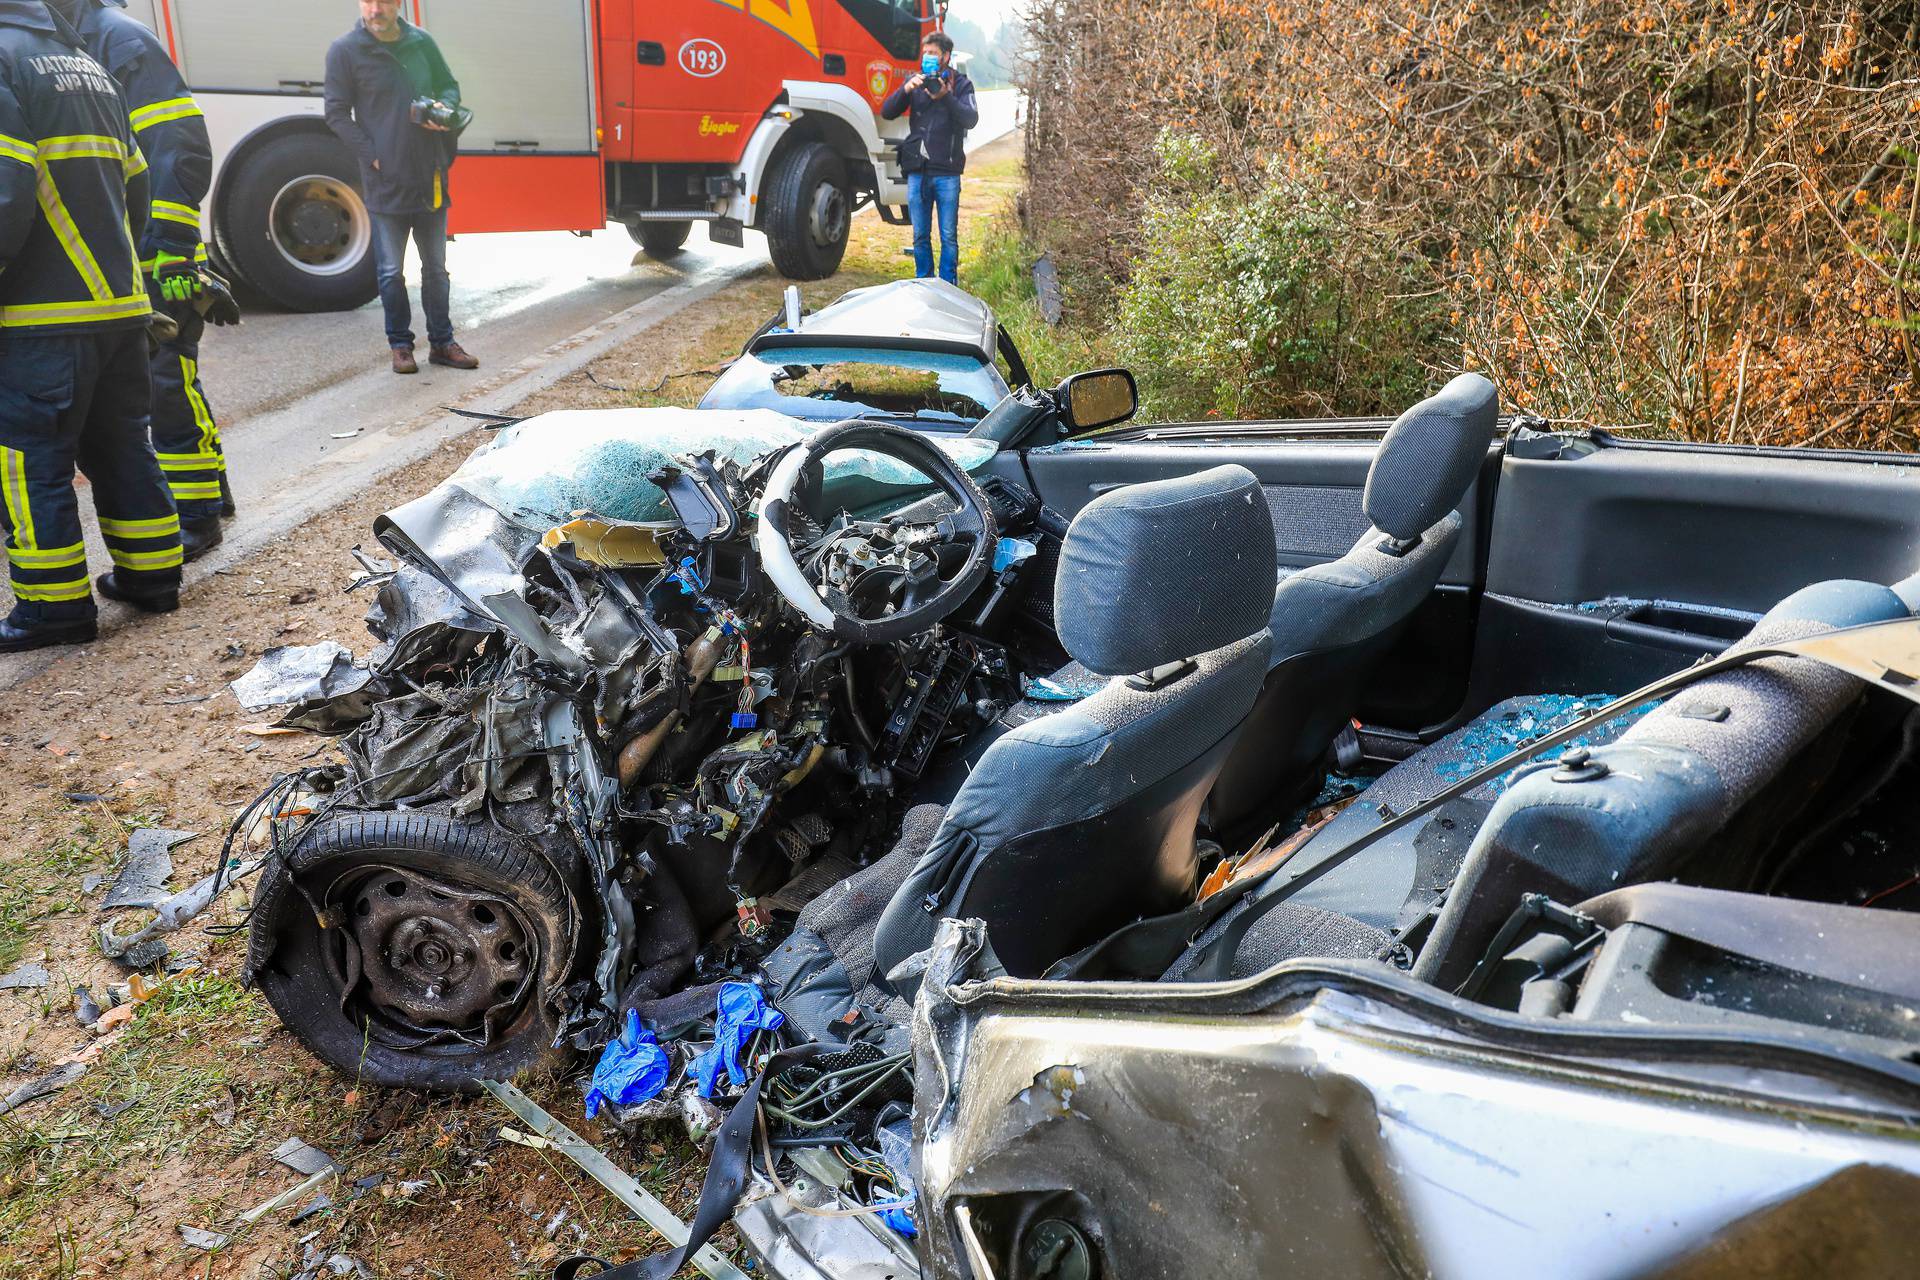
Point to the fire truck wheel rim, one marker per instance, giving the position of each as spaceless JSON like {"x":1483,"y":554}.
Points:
{"x":827,"y":215}
{"x":319,"y":225}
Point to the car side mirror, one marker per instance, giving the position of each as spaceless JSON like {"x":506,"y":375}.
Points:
{"x":1089,"y":401}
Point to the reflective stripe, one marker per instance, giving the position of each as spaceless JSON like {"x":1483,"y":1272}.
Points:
{"x":70,"y":239}
{"x":13,"y":489}
{"x":202,"y":416}
{"x":190,"y":462}
{"x":136,"y":163}
{"x":172,"y":211}
{"x":59,"y":558}
{"x":150,"y":265}
{"x":53,"y":592}
{"x":161,"y":112}
{"x":35,"y":314}
{"x":157,"y":527}
{"x":170,"y":558}
{"x":194,"y":488}
{"x":83,"y":146}
{"x":16,"y":149}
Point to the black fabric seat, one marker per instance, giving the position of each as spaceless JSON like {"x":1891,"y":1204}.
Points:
{"x":1077,"y":822}
{"x":1332,"y":623}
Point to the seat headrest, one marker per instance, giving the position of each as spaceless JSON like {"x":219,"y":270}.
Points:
{"x":1171,"y":569}
{"x":1430,"y":456}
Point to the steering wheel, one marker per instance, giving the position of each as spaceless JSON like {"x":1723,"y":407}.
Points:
{"x":925,"y":594}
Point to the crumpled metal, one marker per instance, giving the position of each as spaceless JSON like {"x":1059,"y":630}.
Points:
{"x":320,"y":682}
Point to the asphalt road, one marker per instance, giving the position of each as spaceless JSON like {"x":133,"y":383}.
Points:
{"x":512,"y":294}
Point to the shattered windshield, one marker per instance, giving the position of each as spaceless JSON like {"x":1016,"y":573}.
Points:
{"x":547,"y":470}
{"x":830,"y":384}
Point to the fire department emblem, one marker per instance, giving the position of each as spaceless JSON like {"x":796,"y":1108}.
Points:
{"x":879,"y":78}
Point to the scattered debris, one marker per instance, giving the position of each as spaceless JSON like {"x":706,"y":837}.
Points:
{"x":706,"y":1259}
{"x":222,"y":1108}
{"x":83,"y":797}
{"x":86,"y":1011}
{"x":268,"y":730}
{"x":320,"y":1203}
{"x":346,"y":435}
{"x":112,"y":1110}
{"x":302,"y":1157}
{"x":136,"y":951}
{"x":143,"y":881}
{"x":288,"y":1196}
{"x":632,"y":1069}
{"x":39,"y":1087}
{"x":292,"y":674}
{"x":203,"y":1240}
{"x":27,"y":976}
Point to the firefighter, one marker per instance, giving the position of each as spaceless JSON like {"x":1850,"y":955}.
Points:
{"x":172,"y":133}
{"x":73,"y":343}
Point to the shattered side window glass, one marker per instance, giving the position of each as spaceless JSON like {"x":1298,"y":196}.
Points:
{"x":548,"y":470}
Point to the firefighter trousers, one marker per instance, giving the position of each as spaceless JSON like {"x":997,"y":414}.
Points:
{"x":185,"y":437}
{"x":82,"y":400}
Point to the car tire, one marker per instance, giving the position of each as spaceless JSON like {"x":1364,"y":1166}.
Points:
{"x":809,"y":212}
{"x":660,"y":239}
{"x":499,"y":892}
{"x":294,"y":227}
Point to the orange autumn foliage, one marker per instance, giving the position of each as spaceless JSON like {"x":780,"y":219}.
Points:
{"x":1697,"y":215}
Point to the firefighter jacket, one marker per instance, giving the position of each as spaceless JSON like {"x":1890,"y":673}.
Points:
{"x":167,"y":124}
{"x":73,"y":185}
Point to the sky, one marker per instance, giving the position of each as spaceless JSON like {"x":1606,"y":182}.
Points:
{"x":988,"y":13}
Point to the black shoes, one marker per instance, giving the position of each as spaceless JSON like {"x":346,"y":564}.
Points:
{"x":197,"y":537}
{"x":15,"y":639}
{"x":164,"y":602}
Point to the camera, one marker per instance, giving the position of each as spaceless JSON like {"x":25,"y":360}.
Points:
{"x":427,"y":111}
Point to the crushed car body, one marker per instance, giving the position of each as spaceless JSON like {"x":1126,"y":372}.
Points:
{"x":1181,"y":849}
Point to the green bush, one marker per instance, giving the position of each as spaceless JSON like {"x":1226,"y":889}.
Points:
{"x":1269,"y":305}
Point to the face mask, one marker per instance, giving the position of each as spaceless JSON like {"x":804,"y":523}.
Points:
{"x":929,"y":65}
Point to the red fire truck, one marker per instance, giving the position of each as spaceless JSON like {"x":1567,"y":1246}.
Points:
{"x":653,"y":113}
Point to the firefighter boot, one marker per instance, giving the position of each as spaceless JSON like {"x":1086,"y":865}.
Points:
{"x":16,"y":638}
{"x":159,"y":602}
{"x":197,"y":537}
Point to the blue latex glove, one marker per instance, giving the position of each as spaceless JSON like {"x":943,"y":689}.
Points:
{"x":631,"y":1070}
{"x":742,"y":1010}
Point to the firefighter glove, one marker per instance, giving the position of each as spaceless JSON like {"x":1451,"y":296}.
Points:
{"x":215,"y":303}
{"x":178,"y":277}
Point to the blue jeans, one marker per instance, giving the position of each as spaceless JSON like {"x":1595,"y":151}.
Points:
{"x":429,"y":232}
{"x":925,"y":193}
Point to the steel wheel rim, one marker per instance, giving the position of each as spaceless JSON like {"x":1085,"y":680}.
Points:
{"x":319,"y":225}
{"x":429,"y":964}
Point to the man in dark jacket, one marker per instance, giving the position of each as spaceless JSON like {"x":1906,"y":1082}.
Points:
{"x":172,"y":133}
{"x":73,"y":342}
{"x":374,"y":74}
{"x":940,"y":103}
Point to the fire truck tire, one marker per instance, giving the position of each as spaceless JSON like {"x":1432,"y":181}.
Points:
{"x":809,"y":212}
{"x":660,"y":239}
{"x":293,"y":225}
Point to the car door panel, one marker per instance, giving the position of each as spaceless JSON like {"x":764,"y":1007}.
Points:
{"x":1611,"y":564}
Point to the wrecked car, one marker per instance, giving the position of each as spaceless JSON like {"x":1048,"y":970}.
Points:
{"x":921,"y":353}
{"x":1363,"y":848}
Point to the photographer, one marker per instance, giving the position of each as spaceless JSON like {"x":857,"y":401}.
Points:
{"x":940,"y":106}
{"x":392,"y":99}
